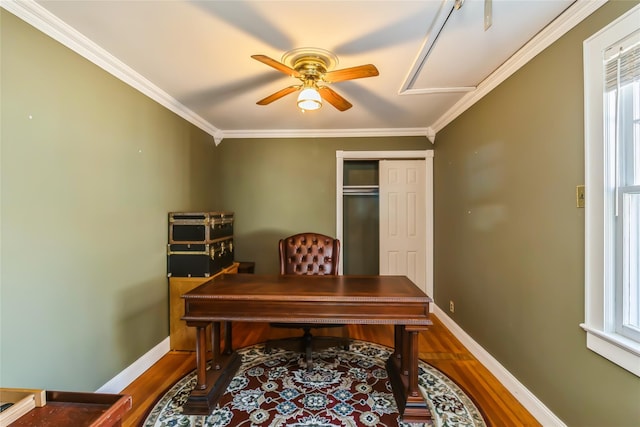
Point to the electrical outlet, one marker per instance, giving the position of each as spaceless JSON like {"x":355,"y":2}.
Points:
{"x":452,"y":307}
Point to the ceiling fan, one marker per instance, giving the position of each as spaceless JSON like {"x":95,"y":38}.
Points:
{"x":314,"y":68}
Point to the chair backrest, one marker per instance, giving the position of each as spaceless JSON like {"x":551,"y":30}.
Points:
{"x":309,"y":254}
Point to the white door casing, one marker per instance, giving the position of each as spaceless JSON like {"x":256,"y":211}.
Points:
{"x":402,"y":219}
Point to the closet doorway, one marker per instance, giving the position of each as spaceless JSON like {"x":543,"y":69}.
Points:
{"x":384,"y":213}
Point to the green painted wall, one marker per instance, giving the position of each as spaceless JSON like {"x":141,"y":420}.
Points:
{"x":509,"y":240}
{"x":90,"y":168}
{"x":278,"y":187}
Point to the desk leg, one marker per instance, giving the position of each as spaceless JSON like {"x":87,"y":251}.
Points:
{"x":403,"y":375}
{"x":398,"y":348}
{"x":415,"y":401}
{"x":215,"y":345}
{"x":228,"y":339}
{"x":211,"y":384}
{"x":201,"y":356}
{"x":406,"y":352}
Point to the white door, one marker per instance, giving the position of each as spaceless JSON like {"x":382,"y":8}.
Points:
{"x":402,"y":219}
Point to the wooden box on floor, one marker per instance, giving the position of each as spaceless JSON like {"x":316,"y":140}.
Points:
{"x":22,"y":400}
{"x":182,"y":337}
{"x":58,"y":408}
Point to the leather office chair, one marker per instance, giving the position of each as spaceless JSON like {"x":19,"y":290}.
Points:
{"x":308,"y":254}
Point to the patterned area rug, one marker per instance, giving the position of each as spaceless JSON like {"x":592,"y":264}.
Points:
{"x":345,"y":388}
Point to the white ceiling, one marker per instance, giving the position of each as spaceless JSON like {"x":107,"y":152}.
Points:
{"x":195,"y":56}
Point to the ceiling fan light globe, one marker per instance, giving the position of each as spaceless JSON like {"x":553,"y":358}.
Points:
{"x":309,"y":99}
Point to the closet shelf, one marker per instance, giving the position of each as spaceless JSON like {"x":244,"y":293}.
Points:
{"x":360,"y":190}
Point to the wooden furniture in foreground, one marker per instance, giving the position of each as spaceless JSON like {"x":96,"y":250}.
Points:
{"x":15,"y":402}
{"x":71,"y":409}
{"x":180,"y":336}
{"x":393,"y":300}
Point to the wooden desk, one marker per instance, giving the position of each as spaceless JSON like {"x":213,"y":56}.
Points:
{"x":308,"y":299}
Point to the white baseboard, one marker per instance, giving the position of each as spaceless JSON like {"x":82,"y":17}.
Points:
{"x":137,"y":368}
{"x":519,"y":391}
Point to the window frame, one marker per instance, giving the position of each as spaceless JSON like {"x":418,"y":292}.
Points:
{"x":623,"y":321}
{"x":599,"y":323}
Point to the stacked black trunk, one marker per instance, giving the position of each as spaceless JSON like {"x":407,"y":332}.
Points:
{"x":200,"y":243}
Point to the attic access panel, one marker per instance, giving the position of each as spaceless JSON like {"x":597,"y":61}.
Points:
{"x":459,"y":53}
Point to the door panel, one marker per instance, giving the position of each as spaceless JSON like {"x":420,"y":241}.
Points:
{"x":391,"y":261}
{"x":402,"y":219}
{"x":392,"y":214}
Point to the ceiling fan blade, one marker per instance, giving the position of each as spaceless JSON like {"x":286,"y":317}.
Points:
{"x":277,"y":65}
{"x":279,"y":94}
{"x":358,"y":72}
{"x":333,"y":98}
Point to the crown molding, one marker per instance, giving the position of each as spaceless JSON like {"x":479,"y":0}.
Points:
{"x":571,"y":17}
{"x":43,"y":20}
{"x":327,"y":133}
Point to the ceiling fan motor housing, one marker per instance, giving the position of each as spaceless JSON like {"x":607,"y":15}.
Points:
{"x":311,"y":68}
{"x":310,"y":62}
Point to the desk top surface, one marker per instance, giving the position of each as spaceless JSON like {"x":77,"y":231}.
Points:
{"x":310,"y":288}
{"x":309,"y":299}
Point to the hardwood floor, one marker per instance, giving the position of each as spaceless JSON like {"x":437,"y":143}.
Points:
{"x":438,"y":347}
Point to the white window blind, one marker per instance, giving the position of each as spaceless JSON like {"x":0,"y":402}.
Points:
{"x":622,"y":64}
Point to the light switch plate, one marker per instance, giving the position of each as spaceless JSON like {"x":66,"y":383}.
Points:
{"x":580,"y":196}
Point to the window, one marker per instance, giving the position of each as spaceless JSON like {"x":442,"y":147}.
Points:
{"x":612,"y":173}
{"x":622,"y":140}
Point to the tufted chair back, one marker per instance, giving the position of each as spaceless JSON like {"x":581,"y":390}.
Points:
{"x":309,"y":253}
